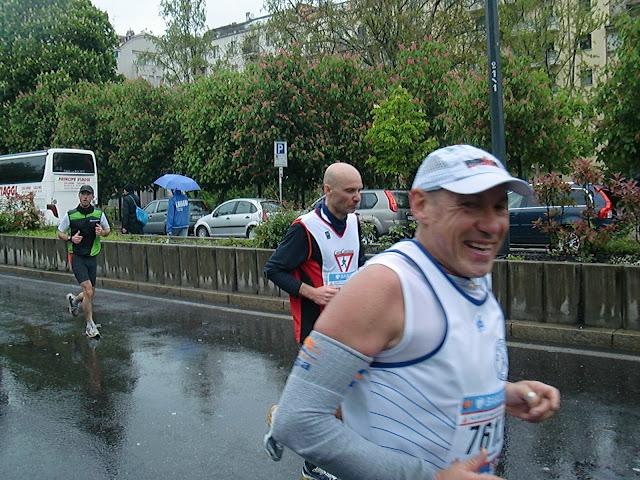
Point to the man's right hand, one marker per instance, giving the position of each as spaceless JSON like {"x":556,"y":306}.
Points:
{"x":124,"y":230}
{"x":318,"y":295}
{"x":467,"y":470}
{"x":77,"y":238}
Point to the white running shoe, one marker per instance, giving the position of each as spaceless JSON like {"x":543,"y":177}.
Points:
{"x":91,"y":330}
{"x":74,"y":306}
{"x":311,"y":472}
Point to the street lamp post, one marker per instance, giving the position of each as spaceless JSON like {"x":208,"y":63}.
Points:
{"x":498,"y":146}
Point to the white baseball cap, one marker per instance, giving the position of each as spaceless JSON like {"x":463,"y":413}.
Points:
{"x":465,"y":169}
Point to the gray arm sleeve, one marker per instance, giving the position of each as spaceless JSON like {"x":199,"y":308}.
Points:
{"x":306,"y":423}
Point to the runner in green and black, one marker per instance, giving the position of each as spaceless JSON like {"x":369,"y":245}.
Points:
{"x":83,"y":227}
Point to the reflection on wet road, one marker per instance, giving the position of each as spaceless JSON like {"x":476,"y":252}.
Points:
{"x":179,"y":390}
{"x":170,"y":391}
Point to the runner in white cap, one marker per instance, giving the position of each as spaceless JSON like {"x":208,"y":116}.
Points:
{"x":413,"y":347}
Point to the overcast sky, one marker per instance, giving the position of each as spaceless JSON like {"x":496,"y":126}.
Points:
{"x":141,"y":15}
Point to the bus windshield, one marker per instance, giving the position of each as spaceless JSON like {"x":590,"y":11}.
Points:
{"x":22,"y":169}
{"x":71,"y":162}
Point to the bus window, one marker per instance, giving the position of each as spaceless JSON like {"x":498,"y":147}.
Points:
{"x":22,"y":169}
{"x":69,"y":162}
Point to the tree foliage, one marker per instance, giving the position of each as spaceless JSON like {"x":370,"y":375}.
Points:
{"x":131,"y":127}
{"x":182,"y":51}
{"x":542,"y":126}
{"x":373,"y":30}
{"x":41,"y":36}
{"x":84,"y":123}
{"x":618,"y":103}
{"x":427,"y":69}
{"x":30,"y":121}
{"x":322,"y":108}
{"x":397,"y":137}
{"x":207,"y":123}
{"x":45,"y":47}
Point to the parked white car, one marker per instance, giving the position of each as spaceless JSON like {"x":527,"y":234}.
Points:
{"x":236,"y":218}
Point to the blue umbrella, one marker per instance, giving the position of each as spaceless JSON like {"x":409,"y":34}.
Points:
{"x":173,"y":181}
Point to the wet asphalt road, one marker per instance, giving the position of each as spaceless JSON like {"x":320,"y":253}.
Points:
{"x":179,"y":390}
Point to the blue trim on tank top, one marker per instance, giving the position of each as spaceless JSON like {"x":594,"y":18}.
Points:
{"x":446,"y":275}
{"x":406,"y":363}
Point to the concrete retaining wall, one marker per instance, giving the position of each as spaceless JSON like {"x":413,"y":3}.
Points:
{"x":567,"y":294}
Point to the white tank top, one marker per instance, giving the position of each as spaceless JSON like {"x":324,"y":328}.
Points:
{"x":339,"y":252}
{"x":438,"y":404}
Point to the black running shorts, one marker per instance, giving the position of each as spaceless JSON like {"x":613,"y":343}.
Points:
{"x":84,"y":268}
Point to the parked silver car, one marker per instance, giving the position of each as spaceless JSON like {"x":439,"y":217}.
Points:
{"x":157,"y":210}
{"x":382,"y":209}
{"x":236,"y":218}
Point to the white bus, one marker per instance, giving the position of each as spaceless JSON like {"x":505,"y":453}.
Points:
{"x":54,"y":176}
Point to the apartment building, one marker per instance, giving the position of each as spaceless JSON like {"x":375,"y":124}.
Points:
{"x":236,"y":44}
{"x":132,"y":64}
{"x":239,"y":43}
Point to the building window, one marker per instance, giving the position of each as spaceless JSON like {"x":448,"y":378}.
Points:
{"x":585,"y":42}
{"x":232,"y":49}
{"x":215,"y":52}
{"x":551,"y":54}
{"x":586,"y":77}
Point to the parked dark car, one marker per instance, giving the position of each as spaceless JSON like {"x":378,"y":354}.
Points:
{"x":382,"y":208}
{"x":157,"y":210}
{"x":524,"y":210}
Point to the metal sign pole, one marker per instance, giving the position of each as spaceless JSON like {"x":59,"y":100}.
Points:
{"x":498,"y":144}
{"x":280,"y":174}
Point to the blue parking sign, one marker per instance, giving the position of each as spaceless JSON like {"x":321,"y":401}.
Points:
{"x":280,"y":153}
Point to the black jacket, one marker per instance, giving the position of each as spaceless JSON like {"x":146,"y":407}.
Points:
{"x":129,"y":219}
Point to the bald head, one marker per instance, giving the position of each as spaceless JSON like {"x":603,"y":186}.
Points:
{"x":342,"y":185}
{"x":339,"y":172}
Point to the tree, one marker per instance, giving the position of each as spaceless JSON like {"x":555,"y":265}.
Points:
{"x":83,"y":122}
{"x":427,"y":70}
{"x":183,"y":50}
{"x":208,"y":123}
{"x":144,"y":131}
{"x":41,"y":36}
{"x":543,"y":128}
{"x":46,"y":46}
{"x":321,"y":107}
{"x":30,"y":121}
{"x":373,"y":30}
{"x":618,"y":104}
{"x":397,"y":136}
{"x":130,"y":126}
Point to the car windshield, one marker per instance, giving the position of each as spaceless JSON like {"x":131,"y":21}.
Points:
{"x":402,"y":199}
{"x":270,"y":207}
{"x":515,"y":199}
{"x":197,"y":206}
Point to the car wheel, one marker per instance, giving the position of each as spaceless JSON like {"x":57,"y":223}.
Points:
{"x":251,"y":233}
{"x":569,"y":243}
{"x":202,"y":232}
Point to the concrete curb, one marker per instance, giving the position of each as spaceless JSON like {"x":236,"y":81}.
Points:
{"x":618,"y":340}
{"x":250,"y":302}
